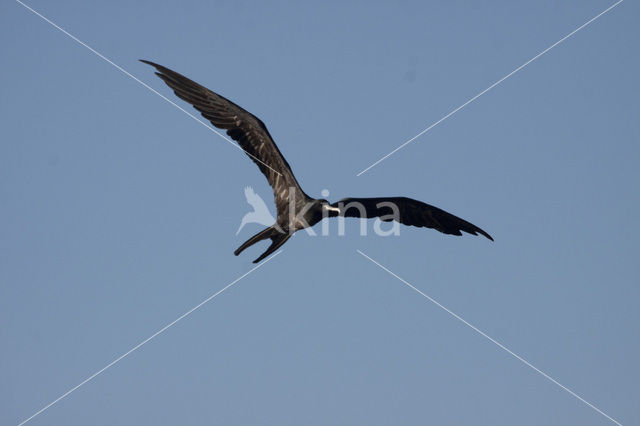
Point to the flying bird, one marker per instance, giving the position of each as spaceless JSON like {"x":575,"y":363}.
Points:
{"x":296,"y":210}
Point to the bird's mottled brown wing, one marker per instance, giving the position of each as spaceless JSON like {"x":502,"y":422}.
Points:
{"x":408,"y":212}
{"x":245,"y":128}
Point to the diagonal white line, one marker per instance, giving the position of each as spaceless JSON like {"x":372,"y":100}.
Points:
{"x":128,"y":74}
{"x":500,"y":345}
{"x":136,"y":347}
{"x":492,"y":86}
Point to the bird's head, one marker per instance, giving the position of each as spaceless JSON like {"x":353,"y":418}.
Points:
{"x":327,"y":209}
{"x":316,"y":210}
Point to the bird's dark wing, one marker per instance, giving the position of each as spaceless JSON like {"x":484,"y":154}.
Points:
{"x":245,"y":128}
{"x":408,"y":212}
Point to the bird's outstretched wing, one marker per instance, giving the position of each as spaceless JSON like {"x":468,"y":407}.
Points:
{"x":249,"y":193}
{"x":408,"y":212}
{"x":245,"y":128}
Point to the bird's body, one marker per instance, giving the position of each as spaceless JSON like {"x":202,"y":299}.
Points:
{"x":297,"y":210}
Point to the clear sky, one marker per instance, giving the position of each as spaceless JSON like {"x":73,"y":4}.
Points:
{"x":119,"y":213}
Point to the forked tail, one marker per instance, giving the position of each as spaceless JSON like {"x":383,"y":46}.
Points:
{"x":277,"y":239}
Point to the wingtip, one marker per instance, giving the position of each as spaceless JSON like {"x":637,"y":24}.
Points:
{"x":153,"y":64}
{"x":482,"y":232}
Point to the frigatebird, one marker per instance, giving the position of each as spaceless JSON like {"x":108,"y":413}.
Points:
{"x":296,"y":210}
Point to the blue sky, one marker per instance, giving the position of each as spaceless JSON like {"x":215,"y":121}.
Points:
{"x":119,"y":214}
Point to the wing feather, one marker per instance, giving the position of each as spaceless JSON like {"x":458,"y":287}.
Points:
{"x":408,"y":212}
{"x":243,"y":127}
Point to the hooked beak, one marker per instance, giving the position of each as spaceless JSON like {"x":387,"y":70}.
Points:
{"x":332,"y":209}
